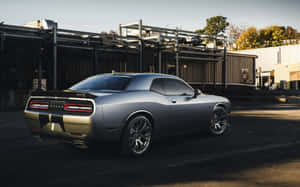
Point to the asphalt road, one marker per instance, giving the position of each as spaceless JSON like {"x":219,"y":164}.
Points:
{"x":262,"y":149}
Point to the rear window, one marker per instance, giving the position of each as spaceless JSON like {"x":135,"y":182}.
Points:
{"x":103,"y":82}
{"x":158,"y":86}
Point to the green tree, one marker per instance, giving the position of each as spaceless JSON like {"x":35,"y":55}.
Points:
{"x":214,"y":26}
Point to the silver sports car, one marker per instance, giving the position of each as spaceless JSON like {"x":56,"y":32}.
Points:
{"x":132,"y":108}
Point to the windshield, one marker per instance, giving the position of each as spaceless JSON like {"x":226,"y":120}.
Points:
{"x":103,"y":82}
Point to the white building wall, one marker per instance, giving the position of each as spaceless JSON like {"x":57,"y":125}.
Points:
{"x":281,"y":73}
{"x":290,"y":54}
{"x":269,"y":57}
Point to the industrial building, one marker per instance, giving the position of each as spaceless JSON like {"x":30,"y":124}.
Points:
{"x":277,"y":67}
{"x":41,"y":55}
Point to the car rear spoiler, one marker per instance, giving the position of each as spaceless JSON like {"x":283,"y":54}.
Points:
{"x":63,"y":93}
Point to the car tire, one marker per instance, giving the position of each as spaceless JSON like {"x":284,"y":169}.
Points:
{"x":220,"y":122}
{"x":137,"y":136}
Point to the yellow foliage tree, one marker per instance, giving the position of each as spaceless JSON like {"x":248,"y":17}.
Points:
{"x":267,"y":37}
{"x":248,"y":39}
{"x":271,"y":36}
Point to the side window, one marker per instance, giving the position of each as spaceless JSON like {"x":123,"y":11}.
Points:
{"x":177,"y":87}
{"x":158,"y":86}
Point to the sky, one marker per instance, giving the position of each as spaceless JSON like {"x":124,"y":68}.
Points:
{"x":106,"y":15}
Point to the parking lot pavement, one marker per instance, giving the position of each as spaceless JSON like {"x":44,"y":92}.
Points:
{"x":262,"y":149}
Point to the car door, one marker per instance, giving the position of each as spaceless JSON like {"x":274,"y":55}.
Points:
{"x":162,"y":110}
{"x":184,"y":110}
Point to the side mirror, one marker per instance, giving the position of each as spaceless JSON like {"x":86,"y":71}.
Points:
{"x":196,"y":93}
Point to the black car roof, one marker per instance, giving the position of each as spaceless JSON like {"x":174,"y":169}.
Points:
{"x":145,"y":75}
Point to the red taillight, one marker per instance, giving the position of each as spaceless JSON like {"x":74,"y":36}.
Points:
{"x":39,"y":105}
{"x":76,"y":134}
{"x":78,"y":108}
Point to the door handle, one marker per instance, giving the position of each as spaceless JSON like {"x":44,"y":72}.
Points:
{"x":173,"y":101}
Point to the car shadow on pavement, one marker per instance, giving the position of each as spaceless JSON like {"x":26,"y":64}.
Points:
{"x":258,"y":152}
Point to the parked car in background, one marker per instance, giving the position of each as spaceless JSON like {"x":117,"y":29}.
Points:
{"x":132,"y":108}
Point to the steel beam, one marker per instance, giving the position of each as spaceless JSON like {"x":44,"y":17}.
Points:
{"x":130,"y":24}
{"x":202,"y":49}
{"x":61,"y":31}
{"x":120,"y":30}
{"x":199,"y":59}
{"x":19,"y":28}
{"x":159,"y":54}
{"x":159,"y":57}
{"x":224,"y":68}
{"x":254,"y":71}
{"x":40,"y":73}
{"x":201,"y":53}
{"x":2,"y":39}
{"x":23,"y":36}
{"x":214,"y":67}
{"x":90,"y":34}
{"x":132,"y":51}
{"x":173,"y":31}
{"x":141,"y":46}
{"x":177,"y":55}
{"x":54,"y":30}
{"x":95,"y":60}
{"x":159,"y":61}
{"x":214,"y":75}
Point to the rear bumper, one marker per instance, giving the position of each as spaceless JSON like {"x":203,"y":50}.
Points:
{"x":69,"y":128}
{"x":60,"y":126}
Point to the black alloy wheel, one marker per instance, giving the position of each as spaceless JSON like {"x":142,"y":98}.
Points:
{"x":219,"y":122}
{"x":137,"y":136}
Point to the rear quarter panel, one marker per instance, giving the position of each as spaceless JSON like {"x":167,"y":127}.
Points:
{"x":116,"y":108}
